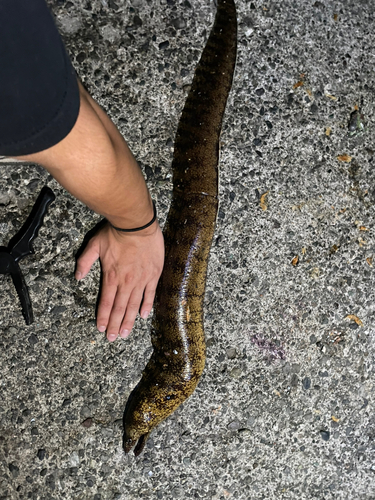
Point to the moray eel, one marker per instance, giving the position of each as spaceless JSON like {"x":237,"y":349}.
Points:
{"x":177,"y":333}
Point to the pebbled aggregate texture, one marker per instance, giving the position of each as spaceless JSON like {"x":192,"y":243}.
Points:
{"x":285,"y":407}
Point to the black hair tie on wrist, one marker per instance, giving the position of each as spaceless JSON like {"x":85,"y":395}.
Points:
{"x":137,"y":228}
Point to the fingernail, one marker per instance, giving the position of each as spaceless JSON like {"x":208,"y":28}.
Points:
{"x":101,"y":329}
{"x":145,"y":314}
{"x":78,"y":275}
{"x":112,"y":337}
{"x":124,"y":333}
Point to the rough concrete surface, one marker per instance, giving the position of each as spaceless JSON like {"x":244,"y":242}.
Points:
{"x":285,"y":408}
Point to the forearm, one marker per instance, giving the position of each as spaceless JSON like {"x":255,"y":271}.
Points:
{"x":96,"y":166}
{"x":111,"y":184}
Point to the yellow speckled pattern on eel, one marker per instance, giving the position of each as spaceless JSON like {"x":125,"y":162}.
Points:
{"x":177,"y":334}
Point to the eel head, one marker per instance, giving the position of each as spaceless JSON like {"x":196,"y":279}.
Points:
{"x":148,"y":405}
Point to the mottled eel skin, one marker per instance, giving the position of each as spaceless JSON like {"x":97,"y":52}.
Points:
{"x":177,"y":333}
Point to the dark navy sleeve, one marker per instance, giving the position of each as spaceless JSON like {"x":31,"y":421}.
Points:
{"x":39,"y":96}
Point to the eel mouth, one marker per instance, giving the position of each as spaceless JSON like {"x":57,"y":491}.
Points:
{"x":138,"y":445}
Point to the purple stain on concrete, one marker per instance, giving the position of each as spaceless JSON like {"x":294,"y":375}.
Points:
{"x":271,"y":352}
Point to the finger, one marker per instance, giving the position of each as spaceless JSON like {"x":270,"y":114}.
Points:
{"x":148,"y":299}
{"x":86,"y":260}
{"x":107,"y":298}
{"x":132,"y":309}
{"x":117,"y":313}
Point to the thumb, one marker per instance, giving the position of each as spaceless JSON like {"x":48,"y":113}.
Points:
{"x":86,"y":260}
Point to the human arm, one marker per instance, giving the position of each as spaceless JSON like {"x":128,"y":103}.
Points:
{"x":94,"y":163}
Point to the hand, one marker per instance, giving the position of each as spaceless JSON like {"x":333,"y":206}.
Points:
{"x":131,"y":265}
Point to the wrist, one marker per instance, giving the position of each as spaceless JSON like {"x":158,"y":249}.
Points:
{"x":136,"y":211}
{"x":121,"y":236}
{"x":140,"y":228}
